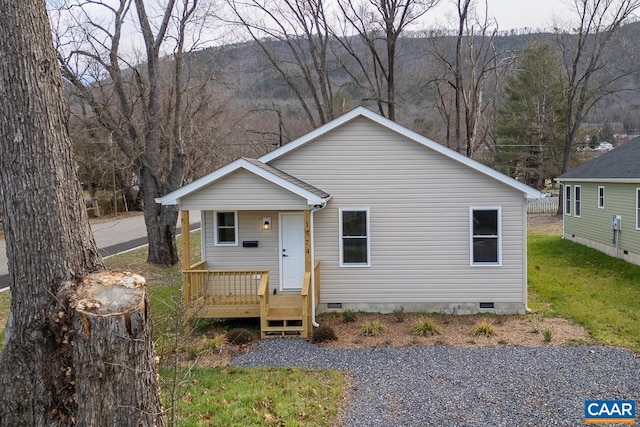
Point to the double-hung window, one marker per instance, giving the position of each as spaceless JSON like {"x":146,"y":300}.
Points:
{"x":577,"y":201}
{"x":486,"y":244}
{"x":567,"y":200}
{"x":601,"y":197}
{"x":354,"y":237}
{"x":226,"y":228}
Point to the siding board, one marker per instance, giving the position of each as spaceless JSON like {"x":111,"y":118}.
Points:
{"x":242,"y":190}
{"x":419,"y":215}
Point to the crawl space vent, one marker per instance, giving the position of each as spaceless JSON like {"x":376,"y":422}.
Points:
{"x":486,"y":305}
{"x":334,"y":305}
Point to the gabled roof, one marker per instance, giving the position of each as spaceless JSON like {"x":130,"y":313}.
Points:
{"x":621,"y":164}
{"x":383,"y":121}
{"x":313,"y":195}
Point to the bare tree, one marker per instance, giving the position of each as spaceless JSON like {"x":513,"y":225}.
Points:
{"x":378,"y":26}
{"x":465,"y":102}
{"x":592,"y":58}
{"x":56,"y":345}
{"x":301,"y":26}
{"x":143,"y":106}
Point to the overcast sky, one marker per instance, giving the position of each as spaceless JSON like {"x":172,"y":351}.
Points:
{"x":516,"y":14}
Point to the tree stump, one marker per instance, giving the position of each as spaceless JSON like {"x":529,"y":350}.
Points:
{"x":115,"y":367}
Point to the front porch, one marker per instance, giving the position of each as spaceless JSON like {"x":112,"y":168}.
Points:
{"x":223,"y":293}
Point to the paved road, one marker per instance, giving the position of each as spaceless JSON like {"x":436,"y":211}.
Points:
{"x":112,"y":236}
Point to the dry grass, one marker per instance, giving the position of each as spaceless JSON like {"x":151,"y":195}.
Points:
{"x":545,"y":224}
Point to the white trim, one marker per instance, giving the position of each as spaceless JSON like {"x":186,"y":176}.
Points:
{"x":603,"y":198}
{"x":499,"y":236}
{"x":577,"y":201}
{"x":638,"y":208}
{"x":566,"y":197}
{"x":203,"y":233}
{"x":368,"y":237}
{"x":529,"y":192}
{"x":174,"y":197}
{"x":215,"y":228}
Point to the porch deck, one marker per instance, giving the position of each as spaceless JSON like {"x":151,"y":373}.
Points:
{"x":224,"y":294}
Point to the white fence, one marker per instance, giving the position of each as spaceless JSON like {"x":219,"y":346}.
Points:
{"x":546,"y":205}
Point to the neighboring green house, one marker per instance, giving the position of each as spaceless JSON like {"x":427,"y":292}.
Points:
{"x":602,"y":203}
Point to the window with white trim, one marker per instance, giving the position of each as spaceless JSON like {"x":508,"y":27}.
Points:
{"x":226,"y":228}
{"x":567,"y":200}
{"x":354,"y":237}
{"x":601,"y":197}
{"x":577,"y":201}
{"x":638,"y":208}
{"x":486,"y":244}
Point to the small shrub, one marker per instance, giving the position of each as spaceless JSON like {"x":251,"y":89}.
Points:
{"x":372,"y":329}
{"x":399,"y":314}
{"x":484,"y":328}
{"x":349,"y":316}
{"x":215,"y":343}
{"x":323,"y":334}
{"x":239,"y":336}
{"x":548,"y":335}
{"x":424,"y":327}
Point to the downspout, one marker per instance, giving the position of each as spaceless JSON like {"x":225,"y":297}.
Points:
{"x":313,"y":262}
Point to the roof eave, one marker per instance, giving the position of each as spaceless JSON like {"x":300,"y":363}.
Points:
{"x":611,"y":180}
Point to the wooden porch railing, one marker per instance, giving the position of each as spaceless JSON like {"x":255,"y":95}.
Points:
{"x":223,"y":287}
{"x":245,"y":293}
{"x":306,"y":297}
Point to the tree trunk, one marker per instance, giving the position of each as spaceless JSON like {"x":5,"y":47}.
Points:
{"x":49,"y":243}
{"x":112,"y":329}
{"x":161,"y":224}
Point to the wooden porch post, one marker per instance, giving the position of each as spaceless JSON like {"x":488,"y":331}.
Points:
{"x":186,"y":240}
{"x":306,"y":299}
{"x":186,"y":256}
{"x":307,"y":241}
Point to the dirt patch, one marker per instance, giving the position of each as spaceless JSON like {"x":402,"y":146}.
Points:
{"x":455,"y":331}
{"x":545,"y":224}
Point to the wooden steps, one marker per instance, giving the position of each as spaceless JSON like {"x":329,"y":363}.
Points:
{"x":284,"y":316}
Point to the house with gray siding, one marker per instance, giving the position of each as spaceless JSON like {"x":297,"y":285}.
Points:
{"x":359,"y":214}
{"x":602,"y":203}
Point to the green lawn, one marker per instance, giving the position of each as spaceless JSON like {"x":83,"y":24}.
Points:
{"x":586,"y":286}
{"x":233,"y":396}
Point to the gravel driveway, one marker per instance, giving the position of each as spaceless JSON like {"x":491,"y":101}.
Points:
{"x":446,"y":386}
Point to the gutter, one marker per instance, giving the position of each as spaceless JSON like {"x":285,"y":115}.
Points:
{"x":313,"y":262}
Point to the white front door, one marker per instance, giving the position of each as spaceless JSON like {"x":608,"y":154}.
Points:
{"x":291,"y":250}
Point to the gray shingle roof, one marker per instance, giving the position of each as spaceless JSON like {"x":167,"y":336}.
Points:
{"x":620,"y":163}
{"x":292,"y":179}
